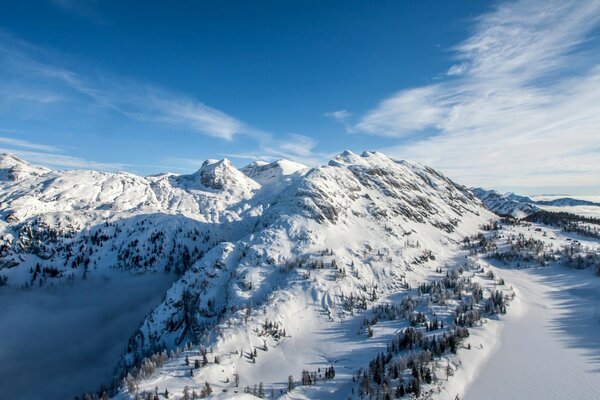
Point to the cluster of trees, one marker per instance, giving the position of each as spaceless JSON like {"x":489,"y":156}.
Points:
{"x":314,"y":264}
{"x":309,"y":378}
{"x":425,"y":256}
{"x":491,"y":226}
{"x":584,"y":226}
{"x":351,"y":303}
{"x":407,"y":363}
{"x":147,"y":368}
{"x":272,"y":328}
{"x":409,"y":371}
{"x":574,"y":256}
{"x":140,"y":245}
{"x":451,"y":287}
{"x":479,"y":243}
{"x":256,"y":390}
{"x":524,"y":250}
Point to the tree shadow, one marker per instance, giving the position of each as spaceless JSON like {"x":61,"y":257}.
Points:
{"x":577,"y":324}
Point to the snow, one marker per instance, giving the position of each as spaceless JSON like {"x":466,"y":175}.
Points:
{"x":276,"y":173}
{"x":276,"y":242}
{"x":549,"y":344}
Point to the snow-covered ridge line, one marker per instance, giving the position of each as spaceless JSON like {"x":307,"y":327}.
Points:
{"x":271,"y":245}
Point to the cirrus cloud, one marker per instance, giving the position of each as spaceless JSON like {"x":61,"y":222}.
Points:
{"x":520,"y":107}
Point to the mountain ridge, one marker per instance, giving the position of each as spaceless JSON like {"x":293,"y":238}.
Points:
{"x":296,"y":246}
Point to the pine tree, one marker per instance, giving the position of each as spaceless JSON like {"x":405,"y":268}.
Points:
{"x":400,"y":391}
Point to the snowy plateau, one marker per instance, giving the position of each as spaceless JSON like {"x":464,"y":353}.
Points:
{"x":365,"y":278}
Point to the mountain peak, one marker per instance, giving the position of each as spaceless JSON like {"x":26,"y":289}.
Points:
{"x":221,"y":174}
{"x":10,"y":159}
{"x":13,"y":168}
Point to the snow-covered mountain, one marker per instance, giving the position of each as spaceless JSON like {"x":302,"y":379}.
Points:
{"x":266,"y":256}
{"x":521,"y":206}
{"x":505,"y":204}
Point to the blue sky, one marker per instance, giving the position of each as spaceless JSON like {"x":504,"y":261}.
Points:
{"x":496,"y":94}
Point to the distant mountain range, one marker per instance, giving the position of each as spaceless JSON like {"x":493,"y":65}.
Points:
{"x":521,"y":206}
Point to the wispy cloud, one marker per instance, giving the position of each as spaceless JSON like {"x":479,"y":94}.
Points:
{"x":62,"y":161}
{"x":43,"y":81}
{"x":294,"y":147}
{"x":32,"y":75}
{"x":24,"y":144}
{"x":51,"y":156}
{"x":420,"y":107}
{"x":520,"y":107}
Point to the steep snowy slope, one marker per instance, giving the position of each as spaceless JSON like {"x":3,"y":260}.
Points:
{"x":335,"y":240}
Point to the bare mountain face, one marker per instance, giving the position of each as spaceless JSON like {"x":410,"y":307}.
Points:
{"x":276,"y":242}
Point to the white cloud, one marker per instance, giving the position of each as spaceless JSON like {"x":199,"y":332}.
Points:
{"x":51,"y":156}
{"x":29,"y":77}
{"x":405,"y":113}
{"x":293,"y":147}
{"x":521,"y":107}
{"x":339,"y":115}
{"x":61,"y":161}
{"x":35,"y":79}
{"x":27,"y":145}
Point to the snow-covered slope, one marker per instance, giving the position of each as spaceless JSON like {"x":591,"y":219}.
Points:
{"x":337,"y":238}
{"x":274,"y":173}
{"x":268,"y":256}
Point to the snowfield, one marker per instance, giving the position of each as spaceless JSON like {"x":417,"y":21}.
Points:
{"x":549,"y":342}
{"x":347,"y":280}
